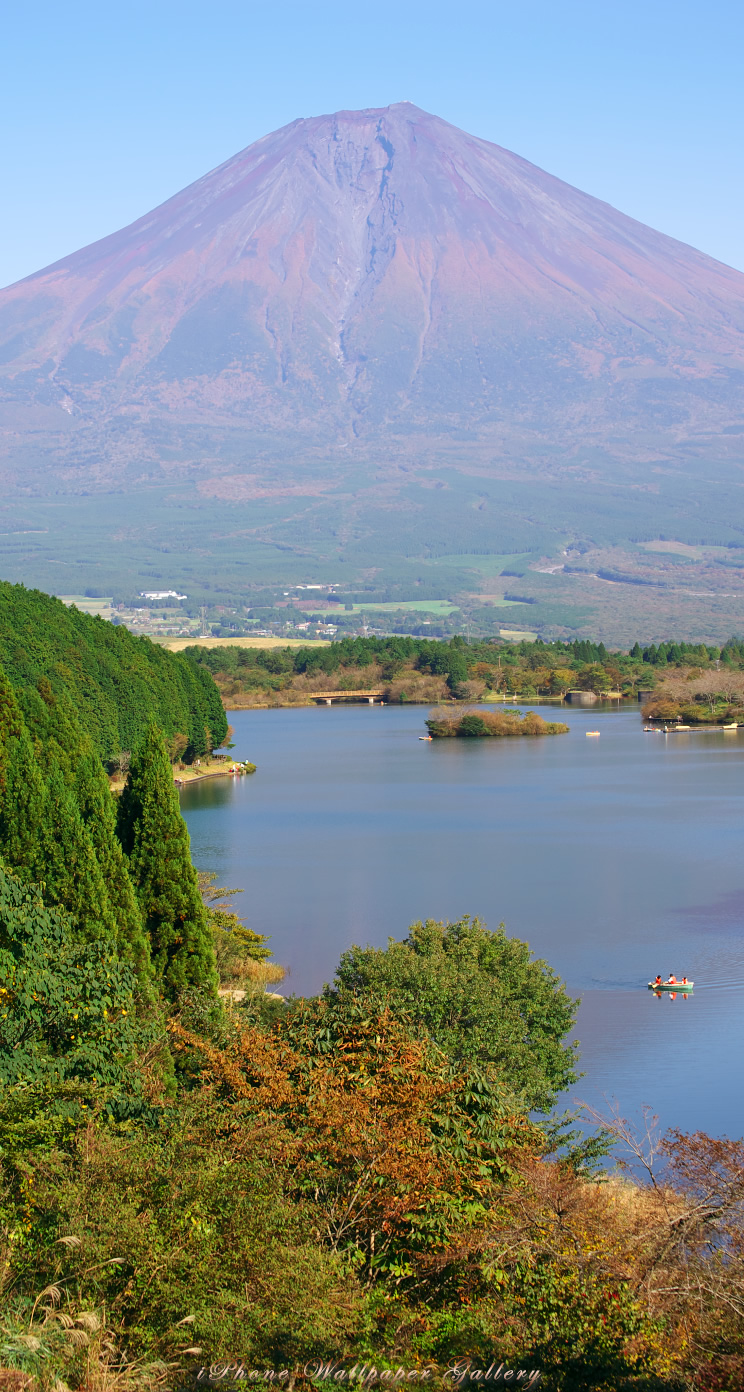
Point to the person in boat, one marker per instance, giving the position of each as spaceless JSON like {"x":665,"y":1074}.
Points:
{"x":672,"y":979}
{"x":657,"y":981}
{"x":684,"y":980}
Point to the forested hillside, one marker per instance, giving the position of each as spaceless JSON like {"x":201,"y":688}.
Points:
{"x":102,"y":679}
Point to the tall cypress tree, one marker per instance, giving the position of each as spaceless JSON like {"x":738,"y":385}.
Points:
{"x":72,"y":876}
{"x":155,"y":839}
{"x":96,"y":807}
{"x":22,"y":792}
{"x":11,"y":720}
{"x":54,"y":726}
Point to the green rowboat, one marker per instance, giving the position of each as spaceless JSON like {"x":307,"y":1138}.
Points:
{"x":670,"y":985}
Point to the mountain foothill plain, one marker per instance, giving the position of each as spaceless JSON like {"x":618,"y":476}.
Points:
{"x":374,"y":350}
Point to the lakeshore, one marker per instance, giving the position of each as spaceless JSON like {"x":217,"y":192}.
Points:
{"x":219,"y":767}
{"x":184,"y":774}
{"x":305,"y":700}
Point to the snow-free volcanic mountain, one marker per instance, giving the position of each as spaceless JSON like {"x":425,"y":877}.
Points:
{"x":373,"y":285}
{"x":381,"y":267}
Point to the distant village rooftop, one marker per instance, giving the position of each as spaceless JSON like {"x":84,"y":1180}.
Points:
{"x":161,"y":594}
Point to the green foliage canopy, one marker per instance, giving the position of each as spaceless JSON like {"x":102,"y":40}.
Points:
{"x":67,"y":1007}
{"x":480,"y":995}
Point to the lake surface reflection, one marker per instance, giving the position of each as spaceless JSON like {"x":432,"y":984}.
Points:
{"x":615,"y":858}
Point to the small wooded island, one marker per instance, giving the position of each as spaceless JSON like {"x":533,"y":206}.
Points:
{"x":482,"y":724}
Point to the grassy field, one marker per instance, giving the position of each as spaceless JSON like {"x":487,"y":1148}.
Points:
{"x":498,"y":601}
{"x":414,"y":606}
{"x":674,"y":548}
{"x":104,"y":607}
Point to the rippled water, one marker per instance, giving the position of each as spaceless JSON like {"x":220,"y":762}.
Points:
{"x":615,"y":858}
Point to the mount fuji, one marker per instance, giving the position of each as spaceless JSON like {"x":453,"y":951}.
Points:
{"x":367,"y":297}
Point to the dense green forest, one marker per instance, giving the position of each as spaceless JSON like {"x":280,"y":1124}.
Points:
{"x":101,"y":679}
{"x":195,"y":1172}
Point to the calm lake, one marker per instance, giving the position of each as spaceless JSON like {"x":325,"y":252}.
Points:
{"x":615,"y":858}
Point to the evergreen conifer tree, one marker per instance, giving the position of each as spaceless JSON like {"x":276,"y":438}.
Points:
{"x":53,"y":726}
{"x":11,"y":721}
{"x":155,"y":839}
{"x":96,"y":807}
{"x":71,"y":874}
{"x":22,"y":792}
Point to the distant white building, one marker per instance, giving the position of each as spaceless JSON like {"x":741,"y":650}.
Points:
{"x":161,"y":594}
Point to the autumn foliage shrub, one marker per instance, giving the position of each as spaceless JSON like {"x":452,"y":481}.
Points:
{"x":395,"y":1146}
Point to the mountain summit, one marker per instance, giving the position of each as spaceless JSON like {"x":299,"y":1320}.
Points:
{"x":379,"y":270}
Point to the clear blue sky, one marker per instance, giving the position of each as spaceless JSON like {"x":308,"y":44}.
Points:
{"x":107,"y":110}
